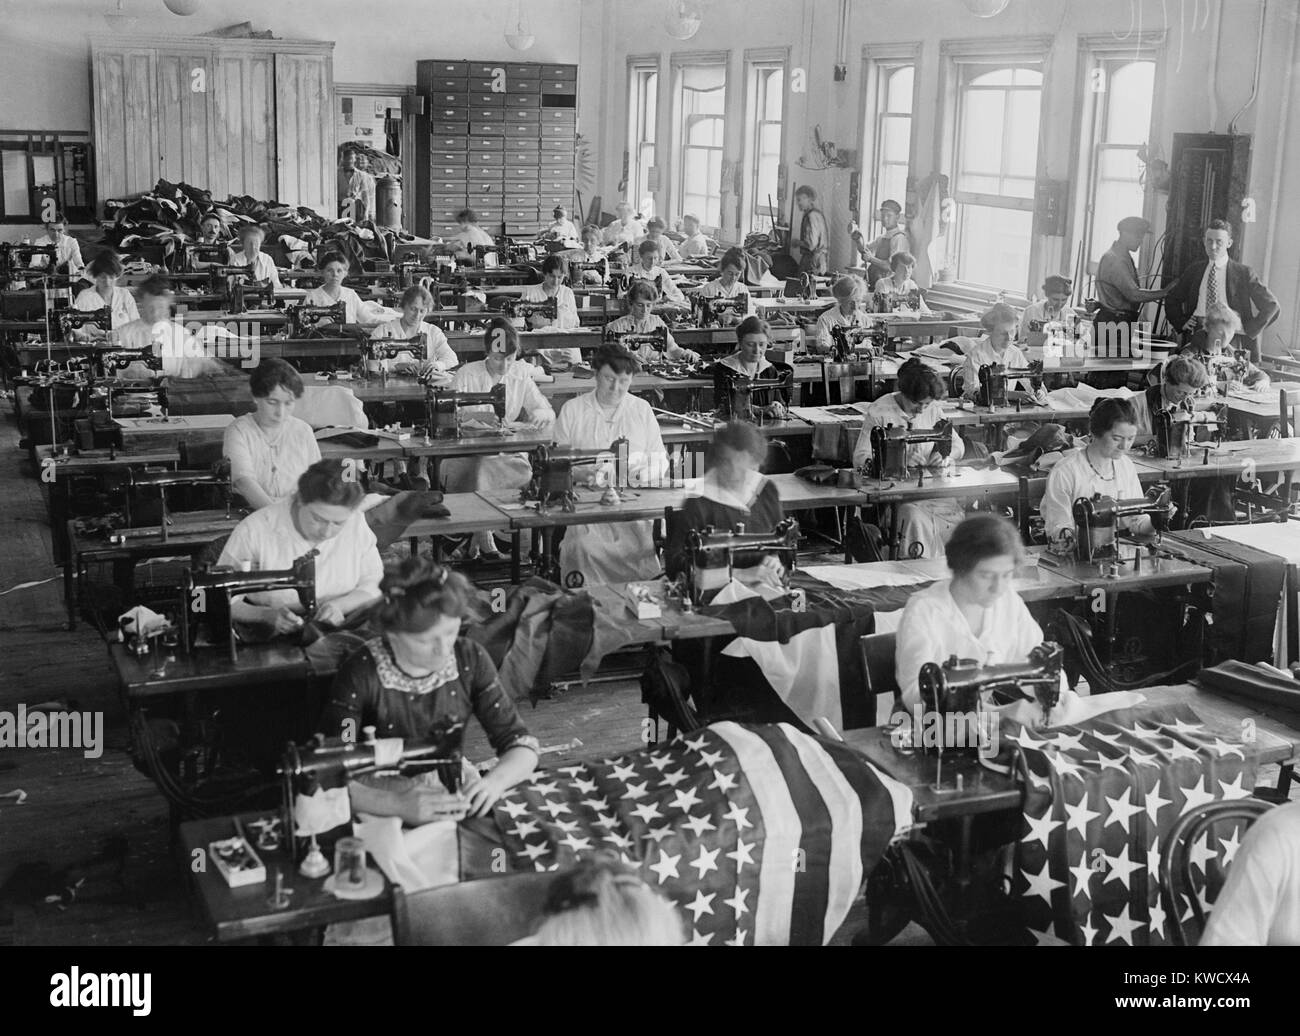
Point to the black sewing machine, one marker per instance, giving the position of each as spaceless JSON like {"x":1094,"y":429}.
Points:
{"x":304,"y":320}
{"x":241,"y":288}
{"x":1097,"y":519}
{"x":443,"y":408}
{"x":888,"y":301}
{"x":850,"y":343}
{"x":719,"y":312}
{"x":514,"y":306}
{"x":634,"y":340}
{"x":718,"y":557}
{"x":16,"y":263}
{"x":953,"y":693}
{"x":71,"y":320}
{"x":733,"y":392}
{"x":802,"y":287}
{"x":391,"y":348}
{"x":514,"y":252}
{"x":209,"y":254}
{"x":209,"y":593}
{"x":994,"y":379}
{"x":889,"y":446}
{"x":113,"y":363}
{"x":578,"y":271}
{"x":1177,"y":429}
{"x":487,"y":257}
{"x":553,"y":475}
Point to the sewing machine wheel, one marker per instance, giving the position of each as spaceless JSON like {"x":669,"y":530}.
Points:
{"x":1274,"y":431}
{"x":915,"y":549}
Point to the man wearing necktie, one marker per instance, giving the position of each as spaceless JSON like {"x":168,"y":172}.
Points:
{"x":1119,"y":294}
{"x":1220,"y":281}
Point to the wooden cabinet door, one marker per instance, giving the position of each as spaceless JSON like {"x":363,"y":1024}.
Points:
{"x":126,"y":139}
{"x":242,"y":114}
{"x":184,"y":88}
{"x":304,"y":124}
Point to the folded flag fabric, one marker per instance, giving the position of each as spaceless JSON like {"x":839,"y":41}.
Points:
{"x":1100,"y":799}
{"x":761,"y":835}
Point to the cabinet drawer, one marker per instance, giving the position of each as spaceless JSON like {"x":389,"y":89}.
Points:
{"x":443,"y":208}
{"x":556,"y":160}
{"x":557,"y":132}
{"x":486,"y":129}
{"x":523,"y":100}
{"x":524,"y":116}
{"x":483,"y":70}
{"x":445,"y":229}
{"x":546,"y":203}
{"x":450,"y":68}
{"x":526,"y":130}
{"x":523,"y":70}
{"x":448,"y":145}
{"x":523,"y":174}
{"x":485,"y":144}
{"x":516,"y":185}
{"x":553,"y":186}
{"x":481,"y":84}
{"x":450,"y":113}
{"x":449,"y":185}
{"x":561,"y":73}
{"x":482,"y":184}
{"x":447,"y":173}
{"x":487,"y":114}
{"x":559,"y":117}
{"x":513,"y":214}
{"x":448,"y":158}
{"x":444,"y":99}
{"x":555,"y":143}
{"x":519,"y":202}
{"x":480,"y":99}
{"x":449,"y":84}
{"x":439,"y":128}
{"x":558,"y":90}
{"x":521,"y":160}
{"x":484,"y":161}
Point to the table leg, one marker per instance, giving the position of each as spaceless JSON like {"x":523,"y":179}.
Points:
{"x":515,"y":546}
{"x":70,"y":580}
{"x":895,"y":530}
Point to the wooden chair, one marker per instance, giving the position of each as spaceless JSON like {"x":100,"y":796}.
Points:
{"x":486,"y":912}
{"x":877,"y":653}
{"x":1176,"y":882}
{"x":1030,"y":494}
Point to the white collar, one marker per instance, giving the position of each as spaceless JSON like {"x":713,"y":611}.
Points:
{"x":1219,"y":263}
{"x":710,"y":489}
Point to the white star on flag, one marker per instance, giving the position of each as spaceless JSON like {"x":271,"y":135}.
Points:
{"x":647,"y":811}
{"x":1121,"y":809}
{"x":575,"y":843}
{"x":1067,"y":742}
{"x":698,"y":825}
{"x":699,"y":938}
{"x":1082,"y":876}
{"x":1040,"y":828}
{"x":1157,"y":922}
{"x":710,"y":759}
{"x":738,"y":939}
{"x":685,"y":799}
{"x":1107,"y":763}
{"x":1064,"y":766}
{"x":620,"y":840}
{"x":696,"y":745}
{"x":737,"y":902}
{"x":1178,"y":750}
{"x":1121,"y":927}
{"x":1143,"y":759}
{"x":635,"y":791}
{"x":623,"y":773}
{"x":666,"y":867}
{"x":1153,"y":858}
{"x":660,"y":761}
{"x":605,"y":820}
{"x":1026,"y":740}
{"x":524,"y":828}
{"x":1045,"y":938}
{"x":1079,"y":814}
{"x":742,"y":853}
{"x":659,"y":833}
{"x":1111,"y":739}
{"x":1185,"y":728}
{"x":1088,"y":932}
{"x":673,"y":779}
{"x":1038,"y":782}
{"x":553,"y":808}
{"x":532,"y":851}
{"x":1120,"y":868}
{"x":1225,"y":748}
{"x":598,"y":805}
{"x":702,"y":904}
{"x":1155,"y":802}
{"x":1230,"y":845}
{"x":1234,"y":789}
{"x":584,"y":786}
{"x":1145,"y":731}
{"x":515,"y":809}
{"x":567,"y":826}
{"x":706,"y":861}
{"x":1195,"y":796}
{"x":1201,"y":853}
{"x":572,"y":771}
{"x":548,"y":788}
{"x":1041,"y":884}
{"x":723,"y":782}
{"x":738,"y":816}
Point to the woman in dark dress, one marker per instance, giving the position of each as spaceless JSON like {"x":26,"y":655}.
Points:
{"x":417,"y":676}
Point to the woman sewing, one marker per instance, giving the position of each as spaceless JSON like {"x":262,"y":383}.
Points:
{"x":647,"y":268}
{"x":182,"y":354}
{"x":749,"y":361}
{"x":270,"y":449}
{"x":654,"y":231}
{"x":926,"y":525}
{"x":67,"y":249}
{"x":334,"y":267}
{"x":471,"y":235}
{"x":847,"y":312}
{"x":1101,"y":466}
{"x":729,"y":285}
{"x":897,"y":289}
{"x":1212,"y":346}
{"x":995,"y":346}
{"x":625,"y":551}
{"x":1181,"y":379}
{"x":105,"y":270}
{"x":324,"y":515}
{"x":525,"y":405}
{"x":638,"y":319}
{"x":417,"y":675}
{"x":695,"y":243}
{"x":1052,"y":309}
{"x":552,"y":287}
{"x":976,"y":614}
{"x":439,"y":357}
{"x":733,"y":492}
{"x":591,"y":255}
{"x":250,"y":255}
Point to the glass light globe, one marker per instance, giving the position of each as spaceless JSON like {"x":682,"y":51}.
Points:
{"x":184,"y":8}
{"x":987,"y":8}
{"x":683,"y":19}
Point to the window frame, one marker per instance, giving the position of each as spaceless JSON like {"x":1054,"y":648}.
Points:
{"x":756,"y":63}
{"x":638,"y":66}
{"x":35,"y":143}
{"x":681,"y":62}
{"x":878,"y":63}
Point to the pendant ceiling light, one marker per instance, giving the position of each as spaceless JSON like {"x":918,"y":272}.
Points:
{"x":987,"y":8}
{"x":184,"y":8}
{"x":517,"y":34}
{"x":683,"y":17}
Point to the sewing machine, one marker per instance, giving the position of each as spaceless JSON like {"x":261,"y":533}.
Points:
{"x":218,"y":475}
{"x":553,"y":478}
{"x":850,"y":343}
{"x":578,"y":272}
{"x":802,"y":287}
{"x":719,"y":312}
{"x":888,"y":301}
{"x":994,"y":378}
{"x":514,"y":306}
{"x":487,"y":257}
{"x":241,"y":288}
{"x":412,"y":271}
{"x":1097,"y":521}
{"x":304,"y":319}
{"x":733,"y":392}
{"x":634,"y":340}
{"x":889,"y":446}
{"x":202,"y":256}
{"x":954,"y":693}
{"x":16,"y":263}
{"x":1175,"y":430}
{"x":113,"y":363}
{"x":376,"y":349}
{"x":519,"y":252}
{"x":331,"y":762}
{"x":71,"y":320}
{"x":718,"y":557}
{"x":199,"y":588}
{"x":443,"y":408}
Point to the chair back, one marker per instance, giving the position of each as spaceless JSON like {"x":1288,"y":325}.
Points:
{"x":877,"y":653}
{"x":1030,"y":494}
{"x":1177,"y":886}
{"x":485,"y":912}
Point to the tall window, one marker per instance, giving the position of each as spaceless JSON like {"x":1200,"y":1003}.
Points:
{"x":643,"y":113}
{"x":997,"y":163}
{"x":701,"y":101}
{"x":1121,"y":124}
{"x":763,"y":113}
{"x":892,"y":136}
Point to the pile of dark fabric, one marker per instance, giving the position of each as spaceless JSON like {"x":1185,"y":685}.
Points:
{"x":763,"y":252}
{"x":157,"y":224}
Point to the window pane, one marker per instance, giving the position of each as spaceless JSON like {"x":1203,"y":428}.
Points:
{"x":13,"y":169}
{"x":994,"y":249}
{"x":43,"y":169}
{"x":651,"y":116}
{"x":775,"y":85}
{"x":1017,"y":187}
{"x":892,"y":184}
{"x":997,"y":77}
{"x":900,"y":90}
{"x":981,"y":132}
{"x":1022,"y":132}
{"x":981,"y":184}
{"x":1119,"y":164}
{"x":897,"y":137}
{"x":1128,"y":118}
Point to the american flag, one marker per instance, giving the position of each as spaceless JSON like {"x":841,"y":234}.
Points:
{"x":1100,"y":799}
{"x":760,"y":834}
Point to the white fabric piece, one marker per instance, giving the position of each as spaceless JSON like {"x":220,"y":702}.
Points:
{"x":522,"y":394}
{"x":871,"y":576}
{"x":833,"y":318}
{"x":324,"y":406}
{"x":121,"y":308}
{"x":804,"y":671}
{"x":181,"y":353}
{"x":141,"y":621}
{"x":980,"y":353}
{"x":263,"y":267}
{"x":1071,"y":709}
{"x":1073,"y":477}
{"x":1081,"y":397}
{"x":321,"y":811}
{"x":1259,"y":904}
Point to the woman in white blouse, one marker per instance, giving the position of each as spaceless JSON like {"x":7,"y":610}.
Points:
{"x":897,"y":288}
{"x":638,"y":319}
{"x":647,"y":268}
{"x":1102,"y":466}
{"x":847,"y":311}
{"x":270,"y":449}
{"x":552,"y":287}
{"x":728,"y":284}
{"x":439,"y":357}
{"x":334,"y":267}
{"x":695,"y":243}
{"x":976,"y":614}
{"x":106,"y":270}
{"x":1052,"y":309}
{"x":654,"y":231}
{"x":925,"y":525}
{"x":251,"y":236}
{"x":994,"y":347}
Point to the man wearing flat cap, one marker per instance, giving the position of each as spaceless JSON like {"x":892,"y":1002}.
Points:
{"x":1120,"y":295}
{"x":876,"y":255}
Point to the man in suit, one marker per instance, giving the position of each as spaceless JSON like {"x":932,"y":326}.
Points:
{"x":1204,"y":285}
